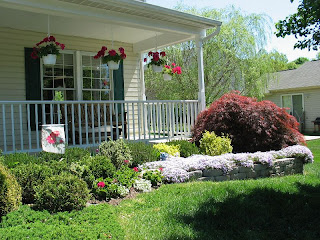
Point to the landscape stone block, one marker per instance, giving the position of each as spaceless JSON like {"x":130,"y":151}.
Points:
{"x":212,"y":173}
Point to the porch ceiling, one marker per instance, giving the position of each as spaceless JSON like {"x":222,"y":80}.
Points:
{"x":123,"y":20}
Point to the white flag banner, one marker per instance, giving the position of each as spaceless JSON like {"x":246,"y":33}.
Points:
{"x":53,"y":138}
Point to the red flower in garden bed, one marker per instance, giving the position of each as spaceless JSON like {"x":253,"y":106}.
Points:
{"x":47,"y":46}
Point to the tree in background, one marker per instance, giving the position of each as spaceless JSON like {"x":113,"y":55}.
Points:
{"x":233,"y":60}
{"x":305,"y":23}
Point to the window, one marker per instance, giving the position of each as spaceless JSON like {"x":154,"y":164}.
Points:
{"x":94,"y":83}
{"x":96,"y":79}
{"x":294,"y":103}
{"x":59,"y":77}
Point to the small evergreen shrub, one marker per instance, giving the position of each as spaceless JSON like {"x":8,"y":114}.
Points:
{"x":212,"y":145}
{"x":251,"y":125}
{"x":142,"y":153}
{"x":64,"y":192}
{"x":172,"y":150}
{"x":14,"y":159}
{"x":102,"y":167}
{"x":29,"y":176}
{"x":186,"y":148}
{"x":49,"y":157}
{"x":76,"y":154}
{"x":10,"y":191}
{"x":117,"y":151}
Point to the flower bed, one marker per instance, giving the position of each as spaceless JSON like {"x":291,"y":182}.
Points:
{"x":289,"y":160}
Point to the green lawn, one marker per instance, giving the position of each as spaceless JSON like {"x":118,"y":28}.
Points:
{"x":277,"y":208}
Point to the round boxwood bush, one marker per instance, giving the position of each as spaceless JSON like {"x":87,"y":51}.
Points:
{"x":29,"y":176}
{"x":117,"y":151}
{"x":10,"y":192}
{"x":142,"y":153}
{"x":251,"y":125}
{"x":102,"y":167}
{"x":64,"y":192}
{"x":186,"y":148}
{"x":15,"y":159}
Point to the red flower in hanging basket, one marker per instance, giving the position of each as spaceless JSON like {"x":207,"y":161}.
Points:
{"x":47,"y":46}
{"x":157,"y":58}
{"x":112,"y":55}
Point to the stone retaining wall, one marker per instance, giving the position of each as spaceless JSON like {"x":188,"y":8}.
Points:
{"x":281,"y":167}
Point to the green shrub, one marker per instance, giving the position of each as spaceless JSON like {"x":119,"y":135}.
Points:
{"x":102,"y":167}
{"x":10,"y":192}
{"x":212,"y":145}
{"x":117,"y":151}
{"x":14,"y":159}
{"x":142,"y":153}
{"x":29,"y":176}
{"x":76,"y":154}
{"x":186,"y":148}
{"x":49,"y":157}
{"x":63,"y":192}
{"x":104,"y":189}
{"x":154,"y":176}
{"x":172,"y":150}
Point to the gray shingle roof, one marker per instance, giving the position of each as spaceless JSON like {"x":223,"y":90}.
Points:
{"x":306,"y":76}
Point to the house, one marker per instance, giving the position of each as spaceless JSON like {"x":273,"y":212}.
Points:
{"x":299,"y":91}
{"x":90,"y":110}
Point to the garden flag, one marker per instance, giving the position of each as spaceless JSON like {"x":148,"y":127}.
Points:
{"x":53,"y":138}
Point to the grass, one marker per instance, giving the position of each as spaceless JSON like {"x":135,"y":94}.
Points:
{"x":280,"y":208}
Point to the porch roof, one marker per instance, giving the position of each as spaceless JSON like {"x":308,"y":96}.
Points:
{"x":142,"y":24}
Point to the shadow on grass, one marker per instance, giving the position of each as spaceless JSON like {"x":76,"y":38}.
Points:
{"x":258,"y":214}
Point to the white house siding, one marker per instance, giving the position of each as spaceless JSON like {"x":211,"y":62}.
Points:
{"x":311,"y":104}
{"x":12,"y":77}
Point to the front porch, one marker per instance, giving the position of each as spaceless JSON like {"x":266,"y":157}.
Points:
{"x":88,"y":123}
{"x":97,"y":103}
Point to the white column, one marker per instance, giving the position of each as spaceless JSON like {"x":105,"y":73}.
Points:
{"x":143,"y":87}
{"x":201,"y":93}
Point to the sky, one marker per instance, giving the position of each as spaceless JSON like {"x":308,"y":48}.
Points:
{"x":276,"y":9}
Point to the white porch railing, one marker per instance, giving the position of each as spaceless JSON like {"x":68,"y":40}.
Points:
{"x":88,"y":123}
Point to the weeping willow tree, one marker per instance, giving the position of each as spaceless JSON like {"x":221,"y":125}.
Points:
{"x":233,"y":60}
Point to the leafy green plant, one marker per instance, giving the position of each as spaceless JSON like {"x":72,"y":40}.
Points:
{"x":10,"y":191}
{"x":63,"y":192}
{"x":117,"y":151}
{"x":211,"y":144}
{"x":126,"y":176}
{"x":142,"y":152}
{"x":154,"y":176}
{"x":29,"y":176}
{"x":186,"y":148}
{"x":104,"y":189}
{"x":172,"y":150}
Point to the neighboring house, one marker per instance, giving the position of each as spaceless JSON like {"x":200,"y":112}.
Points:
{"x":27,"y":87}
{"x":299,"y":91}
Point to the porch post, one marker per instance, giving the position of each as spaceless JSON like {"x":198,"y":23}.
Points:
{"x":201,"y":93}
{"x":143,"y":88}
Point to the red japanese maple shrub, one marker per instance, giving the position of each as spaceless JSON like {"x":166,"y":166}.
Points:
{"x":251,"y":125}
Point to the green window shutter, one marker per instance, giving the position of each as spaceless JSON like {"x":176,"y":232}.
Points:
{"x":33,"y":84}
{"x":118,"y":83}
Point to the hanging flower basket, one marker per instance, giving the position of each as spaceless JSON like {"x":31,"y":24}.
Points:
{"x":168,"y":71}
{"x":167,"y":77}
{"x":50,"y":59}
{"x":156,"y":68}
{"x":47,"y":49}
{"x":112,"y":59}
{"x":156,"y":60}
{"x":113,"y":65}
